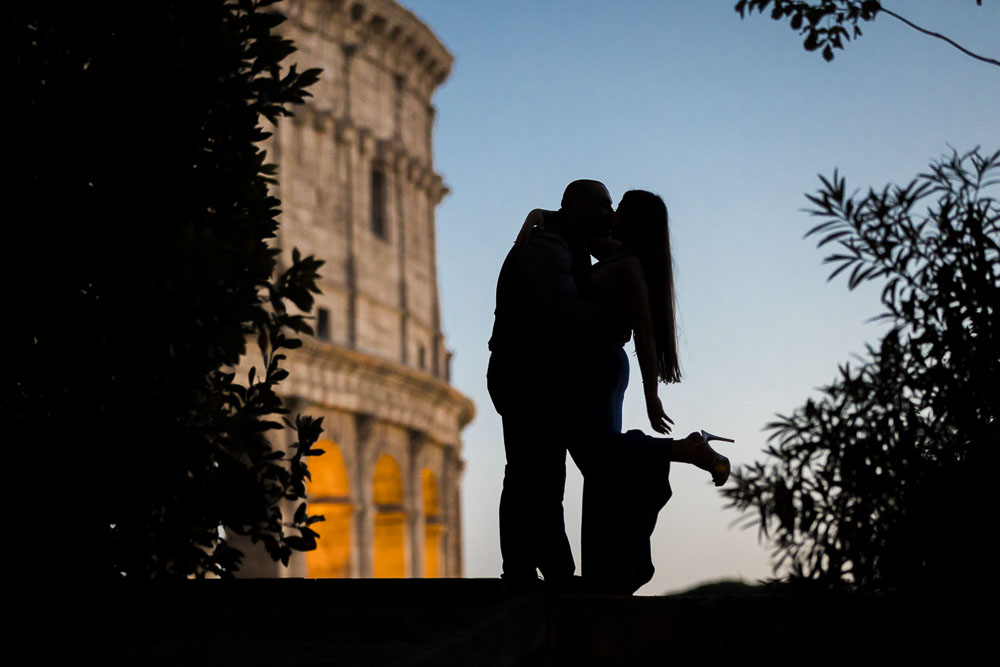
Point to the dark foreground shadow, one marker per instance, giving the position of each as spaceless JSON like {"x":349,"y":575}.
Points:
{"x":486,"y":622}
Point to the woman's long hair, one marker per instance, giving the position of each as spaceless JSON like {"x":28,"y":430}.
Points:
{"x":644,"y":228}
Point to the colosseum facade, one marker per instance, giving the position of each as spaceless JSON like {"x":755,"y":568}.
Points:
{"x":359,"y":190}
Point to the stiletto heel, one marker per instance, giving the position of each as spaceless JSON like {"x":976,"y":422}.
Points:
{"x":720,"y":468}
{"x":710,"y":460}
{"x":695,"y":450}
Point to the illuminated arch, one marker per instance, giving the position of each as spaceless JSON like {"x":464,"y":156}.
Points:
{"x":433,"y":528}
{"x":329,"y":494}
{"x":390,"y":520}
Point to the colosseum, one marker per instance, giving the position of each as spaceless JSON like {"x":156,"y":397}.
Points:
{"x":359,"y":190}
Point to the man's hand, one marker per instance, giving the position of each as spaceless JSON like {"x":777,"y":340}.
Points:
{"x":658,"y":419}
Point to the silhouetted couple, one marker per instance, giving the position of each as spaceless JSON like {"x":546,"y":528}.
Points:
{"x":557,"y":376}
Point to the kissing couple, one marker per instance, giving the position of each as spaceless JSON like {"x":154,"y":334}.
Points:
{"x":557,"y":377}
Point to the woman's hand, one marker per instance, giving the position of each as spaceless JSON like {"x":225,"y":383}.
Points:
{"x":535,"y":219}
{"x":658,"y":419}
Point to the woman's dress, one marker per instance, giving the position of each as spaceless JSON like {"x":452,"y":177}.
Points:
{"x":626,"y":479}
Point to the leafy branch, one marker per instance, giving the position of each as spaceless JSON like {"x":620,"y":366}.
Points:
{"x":865,"y":486}
{"x":144,"y":224}
{"x":825,"y":23}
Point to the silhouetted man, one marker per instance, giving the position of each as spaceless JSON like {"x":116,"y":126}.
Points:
{"x":538,"y":378}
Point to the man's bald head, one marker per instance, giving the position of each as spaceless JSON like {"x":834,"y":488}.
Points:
{"x":583,"y":193}
{"x":587,"y":204}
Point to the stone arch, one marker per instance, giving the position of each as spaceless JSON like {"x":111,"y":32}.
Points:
{"x":433,"y":524}
{"x":329,"y":495}
{"x":390,"y":519}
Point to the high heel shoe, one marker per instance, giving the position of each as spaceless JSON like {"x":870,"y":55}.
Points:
{"x":718,"y":464}
{"x":699,"y":453}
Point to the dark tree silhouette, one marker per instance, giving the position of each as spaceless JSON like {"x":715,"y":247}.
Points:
{"x":884,"y":482}
{"x":138,"y":219}
{"x":824,"y":23}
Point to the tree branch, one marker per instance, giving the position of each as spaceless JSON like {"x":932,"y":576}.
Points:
{"x":958,"y":46}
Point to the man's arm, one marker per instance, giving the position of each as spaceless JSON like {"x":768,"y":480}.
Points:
{"x":546,"y":263}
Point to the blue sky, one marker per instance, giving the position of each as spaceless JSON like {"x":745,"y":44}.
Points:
{"x":730,"y":121}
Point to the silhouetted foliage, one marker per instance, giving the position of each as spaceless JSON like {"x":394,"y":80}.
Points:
{"x":825,"y":23}
{"x":729,"y":587}
{"x":882,"y":482}
{"x":138,"y":224}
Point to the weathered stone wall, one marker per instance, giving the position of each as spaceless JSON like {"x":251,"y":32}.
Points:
{"x":379,"y":375}
{"x":369,"y":112}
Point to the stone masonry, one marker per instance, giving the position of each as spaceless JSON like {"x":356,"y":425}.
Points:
{"x":359,"y":190}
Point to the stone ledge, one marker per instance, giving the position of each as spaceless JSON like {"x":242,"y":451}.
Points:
{"x":484,"y":622}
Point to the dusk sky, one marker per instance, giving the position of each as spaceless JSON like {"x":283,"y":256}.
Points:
{"x":730,"y":121}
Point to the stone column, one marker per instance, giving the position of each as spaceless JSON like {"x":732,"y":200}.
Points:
{"x":346,"y":132}
{"x":364,"y":518}
{"x":415,"y":504}
{"x":436,"y":191}
{"x":451,"y":476}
